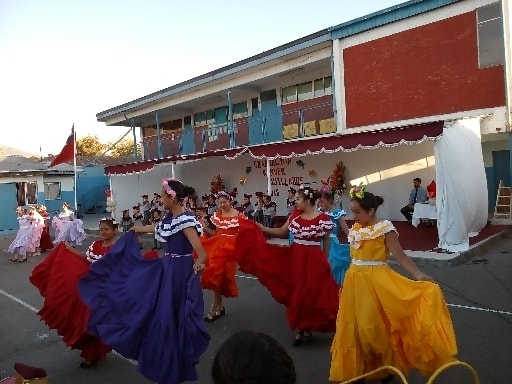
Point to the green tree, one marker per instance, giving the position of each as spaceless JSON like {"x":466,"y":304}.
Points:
{"x":89,"y":145}
{"x":124,"y":148}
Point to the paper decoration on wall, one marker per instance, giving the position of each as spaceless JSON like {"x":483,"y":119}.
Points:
{"x":243,"y":181}
{"x":313,"y":173}
{"x":300,"y":163}
{"x":248,"y":170}
{"x":217,"y":184}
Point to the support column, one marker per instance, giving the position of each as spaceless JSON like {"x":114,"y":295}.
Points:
{"x":338,"y":78}
{"x":132,"y":124}
{"x":231,"y":126}
{"x":506,"y":12}
{"x":158,"y":136}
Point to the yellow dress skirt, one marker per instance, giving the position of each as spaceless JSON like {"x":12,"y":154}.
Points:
{"x":385,"y":318}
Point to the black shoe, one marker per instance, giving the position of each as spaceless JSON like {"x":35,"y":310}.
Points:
{"x":299,"y":338}
{"x":307,"y":336}
{"x":88,"y":364}
{"x":211,"y":317}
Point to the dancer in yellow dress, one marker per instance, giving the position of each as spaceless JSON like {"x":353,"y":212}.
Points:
{"x":385,"y":318}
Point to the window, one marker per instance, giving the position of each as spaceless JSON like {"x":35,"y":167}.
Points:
{"x":240,"y":110}
{"x":305,"y":91}
{"x":199,"y":118}
{"x":52,"y":191}
{"x":210,"y":117}
{"x":187,"y":120}
{"x":289,"y":95}
{"x":26,"y":193}
{"x":491,"y":46}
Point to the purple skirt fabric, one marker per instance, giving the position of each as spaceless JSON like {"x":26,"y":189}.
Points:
{"x":148,"y":310}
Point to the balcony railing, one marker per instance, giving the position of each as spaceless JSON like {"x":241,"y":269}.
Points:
{"x":296,"y":120}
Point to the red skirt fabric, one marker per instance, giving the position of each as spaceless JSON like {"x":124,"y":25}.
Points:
{"x":56,"y":278}
{"x":219,"y":275}
{"x":46,"y":240}
{"x":297,"y":276}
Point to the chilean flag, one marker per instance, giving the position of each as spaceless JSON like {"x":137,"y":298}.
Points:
{"x":68,"y":151}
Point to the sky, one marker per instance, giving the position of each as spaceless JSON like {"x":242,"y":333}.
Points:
{"x":63,"y":61}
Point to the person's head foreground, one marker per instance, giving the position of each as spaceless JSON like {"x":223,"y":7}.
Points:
{"x":249,"y":357}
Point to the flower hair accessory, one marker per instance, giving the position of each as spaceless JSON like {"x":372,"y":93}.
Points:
{"x":306,"y":190}
{"x":224,"y":194}
{"x":167,"y":188}
{"x":357,"y":191}
{"x":111,"y":219}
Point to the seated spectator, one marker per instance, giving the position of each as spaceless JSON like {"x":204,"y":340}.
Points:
{"x":252,"y":357}
{"x":418,"y":195}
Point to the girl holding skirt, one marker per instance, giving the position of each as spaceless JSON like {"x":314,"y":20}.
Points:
{"x":151,"y":310}
{"x":385,"y":318}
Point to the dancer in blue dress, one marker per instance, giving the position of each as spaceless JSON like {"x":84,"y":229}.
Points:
{"x":152,"y":310}
{"x":339,"y":254}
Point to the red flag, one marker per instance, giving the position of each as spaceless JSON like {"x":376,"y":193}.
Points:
{"x":68,"y":151}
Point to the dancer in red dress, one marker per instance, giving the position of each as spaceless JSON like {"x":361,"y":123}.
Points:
{"x":46,"y":241}
{"x":297,"y":276}
{"x":219,"y":275}
{"x":57,"y":278}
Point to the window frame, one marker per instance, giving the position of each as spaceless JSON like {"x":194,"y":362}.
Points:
{"x":47,"y":190}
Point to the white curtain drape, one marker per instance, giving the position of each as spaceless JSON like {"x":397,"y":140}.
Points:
{"x":461,"y":184}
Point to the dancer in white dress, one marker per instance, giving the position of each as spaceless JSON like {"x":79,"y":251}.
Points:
{"x":67,"y":227}
{"x":36,"y":230}
{"x":19,"y":244}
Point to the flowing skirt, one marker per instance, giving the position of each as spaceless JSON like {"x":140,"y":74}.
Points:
{"x":339,"y":259}
{"x":56,"y":278}
{"x":20,"y":243}
{"x":298,"y":276}
{"x":70,"y":231}
{"x":34,"y":237}
{"x":387,"y":319}
{"x":219,"y":275}
{"x":46,"y":241}
{"x":150,"y":310}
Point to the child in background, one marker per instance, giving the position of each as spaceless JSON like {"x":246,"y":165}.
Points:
{"x":46,"y":241}
{"x":36,"y":230}
{"x":385,"y":318}
{"x":146,"y":210}
{"x":20,"y":243}
{"x":126,"y":221}
{"x":339,"y":254}
{"x":155,"y":219}
{"x":269,"y":211}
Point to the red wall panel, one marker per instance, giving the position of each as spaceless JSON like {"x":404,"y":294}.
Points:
{"x":428,"y":70}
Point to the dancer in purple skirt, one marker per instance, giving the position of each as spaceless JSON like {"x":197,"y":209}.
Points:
{"x":152,"y":310}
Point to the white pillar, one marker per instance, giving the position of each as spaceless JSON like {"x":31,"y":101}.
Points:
{"x":269,"y":184}
{"x":339,"y":86}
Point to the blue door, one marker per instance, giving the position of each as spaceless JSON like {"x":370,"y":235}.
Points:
{"x":8,"y":214}
{"x":500,"y":171}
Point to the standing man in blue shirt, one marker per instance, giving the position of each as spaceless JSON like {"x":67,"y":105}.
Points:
{"x":418,"y":195}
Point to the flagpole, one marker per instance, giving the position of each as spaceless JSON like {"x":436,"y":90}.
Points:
{"x":74,"y":165}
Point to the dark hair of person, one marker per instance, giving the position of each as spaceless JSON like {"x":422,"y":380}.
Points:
{"x":181,"y":190}
{"x":417,"y":179}
{"x":328,"y":195}
{"x":249,"y":357}
{"x":67,"y":205}
{"x":110,"y":222}
{"x":369,"y":201}
{"x":308,"y":193}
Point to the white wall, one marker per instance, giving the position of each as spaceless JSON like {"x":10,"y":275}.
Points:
{"x":387,"y":171}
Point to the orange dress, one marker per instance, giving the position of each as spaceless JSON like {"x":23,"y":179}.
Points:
{"x":219,"y":275}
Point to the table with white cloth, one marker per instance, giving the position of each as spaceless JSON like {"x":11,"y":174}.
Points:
{"x":423,"y":211}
